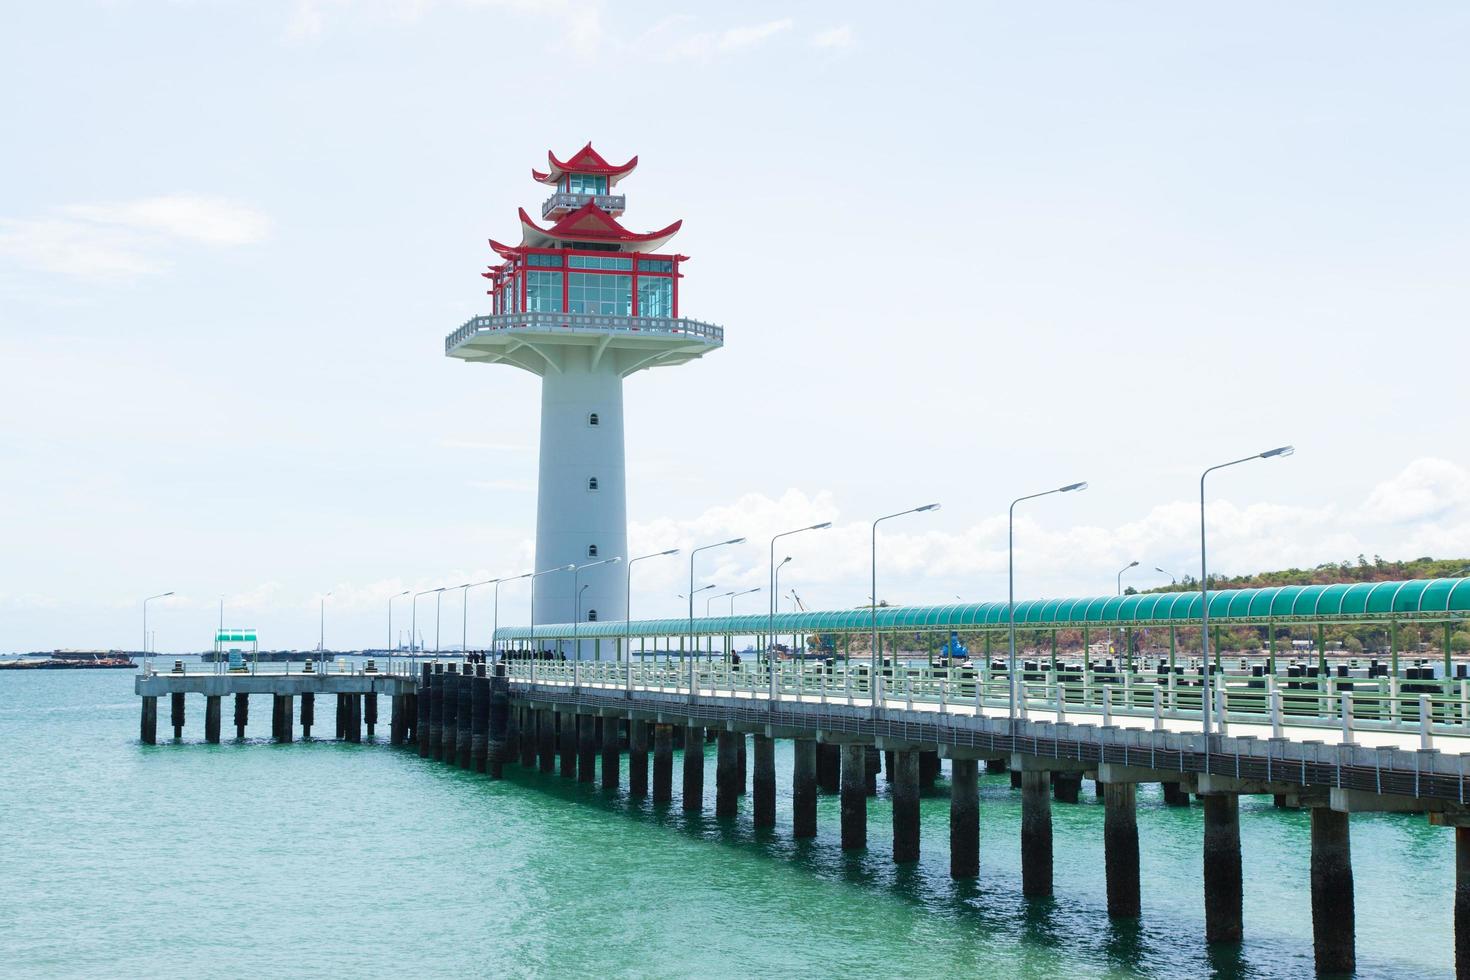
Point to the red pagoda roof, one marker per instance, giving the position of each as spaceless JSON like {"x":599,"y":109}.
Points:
{"x":584,"y":161}
{"x":589,"y":223}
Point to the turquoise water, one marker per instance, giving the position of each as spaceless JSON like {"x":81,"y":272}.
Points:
{"x":333,"y":860}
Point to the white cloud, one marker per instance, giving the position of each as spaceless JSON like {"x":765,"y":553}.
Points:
{"x":580,"y":20}
{"x":742,"y":37}
{"x":191,"y":217}
{"x":1427,"y":488}
{"x":834,"y":37}
{"x":130,"y":239}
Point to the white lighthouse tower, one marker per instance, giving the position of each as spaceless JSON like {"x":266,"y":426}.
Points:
{"x":583,"y":303}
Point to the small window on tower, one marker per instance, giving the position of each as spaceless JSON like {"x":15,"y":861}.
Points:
{"x":592,"y":483}
{"x":592,"y":615}
{"x":592,"y":551}
{"x":592,"y":419}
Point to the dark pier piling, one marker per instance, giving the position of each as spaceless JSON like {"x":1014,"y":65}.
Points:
{"x":854,"y":796}
{"x":804,"y":788}
{"x":905,"y":806}
{"x":148,"y":723}
{"x":964,"y":818}
{"x":637,"y":758}
{"x":694,"y":769}
{"x":727,"y":775}
{"x":1222,"y":868}
{"x":242,"y":714}
{"x":1120,"y":848}
{"x":763,"y":800}
{"x":1333,"y":922}
{"x":211,"y":718}
{"x":663,"y":763}
{"x":1036,"y":851}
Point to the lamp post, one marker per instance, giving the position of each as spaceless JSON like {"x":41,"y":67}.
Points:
{"x":464,"y":607}
{"x":692,"y":553}
{"x":1173,"y":580}
{"x":875,"y":679}
{"x":1011,"y":589}
{"x":413,"y":630}
{"x":390,"y":626}
{"x":1122,"y":636}
{"x":736,"y":595}
{"x":577,"y":599}
{"x":534,"y":576}
{"x":1204,"y":577}
{"x":495,"y":613}
{"x":771,"y":618}
{"x":321,"y":642}
{"x":771,"y":624}
{"x":628,"y":608}
{"x":147,"y":659}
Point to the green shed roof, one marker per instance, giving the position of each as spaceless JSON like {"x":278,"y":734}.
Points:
{"x":1363,"y":601}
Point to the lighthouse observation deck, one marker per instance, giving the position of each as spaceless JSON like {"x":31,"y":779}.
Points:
{"x":527,"y":340}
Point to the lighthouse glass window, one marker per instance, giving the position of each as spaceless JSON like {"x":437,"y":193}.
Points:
{"x":602,"y":295}
{"x":543,"y":292}
{"x":655,"y":296}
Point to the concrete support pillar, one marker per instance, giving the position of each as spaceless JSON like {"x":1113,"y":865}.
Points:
{"x":1174,"y":795}
{"x":497,"y":722}
{"x":929,"y":769}
{"x":530,"y":735}
{"x":872,"y":766}
{"x":464,"y":720}
{"x":586,"y":748}
{"x":436,"y":713}
{"x":1120,"y":847}
{"x":694,"y":769}
{"x":1035,"y":834}
{"x":148,"y":722}
{"x":340,"y":719}
{"x":353,"y":705}
{"x":479,"y":754}
{"x":1332,"y":893}
{"x":611,"y":758}
{"x":829,"y":767}
{"x":964,"y":818}
{"x":288,"y":708}
{"x":854,"y":797}
{"x":308,"y":713}
{"x":727,"y":774}
{"x":764,"y":786}
{"x":994,"y":767}
{"x":888,"y":765}
{"x":1222,"y":869}
{"x":1462,"y":902}
{"x":211,"y":718}
{"x":370,"y":712}
{"x":546,"y":739}
{"x":395,"y":719}
{"x":176,"y":713}
{"x":905,"y":807}
{"x":566,"y":734}
{"x":637,"y":758}
{"x":425,"y":701}
{"x":1015,"y":779}
{"x":663,"y":763}
{"x":804,"y":789}
{"x":453,"y":693}
{"x":242,"y":714}
{"x":742,"y":764}
{"x":1066,"y":787}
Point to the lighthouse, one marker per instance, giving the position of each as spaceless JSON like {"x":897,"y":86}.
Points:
{"x":582,"y":302}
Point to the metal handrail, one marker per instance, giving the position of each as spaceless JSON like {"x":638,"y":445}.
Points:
{"x":585,"y":322}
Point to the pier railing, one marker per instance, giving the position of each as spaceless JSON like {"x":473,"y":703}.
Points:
{"x":1339,"y":710}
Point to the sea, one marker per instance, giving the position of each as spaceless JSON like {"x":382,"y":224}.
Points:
{"x":320,"y":859}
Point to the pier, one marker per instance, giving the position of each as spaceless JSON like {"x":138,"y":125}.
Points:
{"x":1336,"y":744}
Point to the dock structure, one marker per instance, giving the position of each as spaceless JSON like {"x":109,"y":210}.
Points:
{"x":1336,"y":745}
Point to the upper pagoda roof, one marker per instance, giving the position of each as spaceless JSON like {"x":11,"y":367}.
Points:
{"x":589,"y":223}
{"x":584,"y":161}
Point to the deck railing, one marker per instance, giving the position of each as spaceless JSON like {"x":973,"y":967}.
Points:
{"x":585,"y":323}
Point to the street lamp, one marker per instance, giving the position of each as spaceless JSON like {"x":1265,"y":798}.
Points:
{"x":1204,"y":577}
{"x":162,"y":595}
{"x":321,"y":642}
{"x":709,"y":599}
{"x":413,"y":630}
{"x":692,"y":553}
{"x":736,"y":595}
{"x":1011,"y":588}
{"x":775,"y":598}
{"x":495,"y":614}
{"x":875,"y":679}
{"x":534,"y":576}
{"x":390,"y":626}
{"x":771,"y":618}
{"x":628,"y":608}
{"x":1122,"y":636}
{"x":577,"y":598}
{"x":464,"y":606}
{"x":1173,"y":579}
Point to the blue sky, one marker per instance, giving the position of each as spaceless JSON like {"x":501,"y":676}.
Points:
{"x":962,"y":252}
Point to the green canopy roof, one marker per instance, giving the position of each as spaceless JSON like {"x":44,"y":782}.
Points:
{"x":1419,"y":599}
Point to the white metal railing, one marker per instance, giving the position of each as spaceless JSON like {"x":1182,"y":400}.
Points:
{"x":612,"y":203}
{"x":1428,"y":709}
{"x":585,"y":323}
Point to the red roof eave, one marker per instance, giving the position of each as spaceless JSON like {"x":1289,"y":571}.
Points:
{"x":584,"y":161}
{"x":591,"y":223}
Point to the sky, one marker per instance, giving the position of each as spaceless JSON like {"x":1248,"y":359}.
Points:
{"x":961,"y":252}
